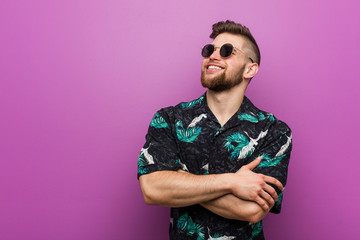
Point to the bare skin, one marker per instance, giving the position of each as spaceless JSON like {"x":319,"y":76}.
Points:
{"x":224,"y":104}
{"x":233,"y":207}
{"x":243,"y":195}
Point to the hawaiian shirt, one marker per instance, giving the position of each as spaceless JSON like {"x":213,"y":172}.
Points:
{"x":189,"y":137}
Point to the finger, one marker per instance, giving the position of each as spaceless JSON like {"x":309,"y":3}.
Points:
{"x":271,"y":191}
{"x":274,"y":181}
{"x":253,"y":164}
{"x":268,"y":198}
{"x":262,"y":203}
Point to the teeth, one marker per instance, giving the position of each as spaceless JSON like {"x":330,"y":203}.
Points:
{"x":213,"y":67}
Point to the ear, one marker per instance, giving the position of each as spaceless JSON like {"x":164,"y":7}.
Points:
{"x":251,"y":70}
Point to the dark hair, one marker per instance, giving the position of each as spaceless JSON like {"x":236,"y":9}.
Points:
{"x":236,"y":28}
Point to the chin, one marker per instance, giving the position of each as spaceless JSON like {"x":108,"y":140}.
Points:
{"x":219,"y":83}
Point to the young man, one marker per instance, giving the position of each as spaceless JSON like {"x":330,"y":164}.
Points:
{"x":219,"y":162}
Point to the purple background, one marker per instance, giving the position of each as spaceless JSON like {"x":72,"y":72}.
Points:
{"x":81,"y":80}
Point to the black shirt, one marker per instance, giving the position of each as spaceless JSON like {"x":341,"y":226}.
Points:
{"x":189,"y":137}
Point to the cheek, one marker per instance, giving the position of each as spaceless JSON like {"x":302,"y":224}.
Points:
{"x":234,"y":71}
{"x":235,"y":61}
{"x":203,"y":63}
{"x":234,"y":66}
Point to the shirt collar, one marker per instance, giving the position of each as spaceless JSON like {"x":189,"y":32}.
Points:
{"x":246,"y":107}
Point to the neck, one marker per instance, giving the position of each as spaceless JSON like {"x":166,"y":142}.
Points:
{"x":226,"y":103}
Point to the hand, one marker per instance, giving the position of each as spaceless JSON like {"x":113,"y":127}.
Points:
{"x":254,"y":186}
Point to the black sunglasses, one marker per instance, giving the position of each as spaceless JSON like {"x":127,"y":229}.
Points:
{"x":225,"y":51}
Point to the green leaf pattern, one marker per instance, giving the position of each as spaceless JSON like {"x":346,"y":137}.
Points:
{"x":267,"y":161}
{"x":271,"y":117}
{"x":192,"y":103}
{"x":144,"y":159}
{"x":158,"y":122}
{"x":251,"y":117}
{"x":240,"y":147}
{"x":248,"y":117}
{"x":234,"y":144}
{"x":280,"y":196}
{"x":187,"y":225}
{"x":190,"y":133}
{"x":141,"y":165}
{"x":257,"y":228}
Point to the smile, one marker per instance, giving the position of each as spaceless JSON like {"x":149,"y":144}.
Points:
{"x":213,"y":68}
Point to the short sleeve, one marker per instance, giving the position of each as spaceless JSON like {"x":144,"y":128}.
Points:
{"x":160,"y":150}
{"x":275,"y":153}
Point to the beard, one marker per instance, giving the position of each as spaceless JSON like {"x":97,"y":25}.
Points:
{"x":222,"y":82}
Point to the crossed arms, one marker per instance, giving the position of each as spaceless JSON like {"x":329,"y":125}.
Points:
{"x":244,"y":195}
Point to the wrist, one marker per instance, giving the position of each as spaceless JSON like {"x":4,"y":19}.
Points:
{"x":228,"y":182}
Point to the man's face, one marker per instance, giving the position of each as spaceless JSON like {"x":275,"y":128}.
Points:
{"x":219,"y":74}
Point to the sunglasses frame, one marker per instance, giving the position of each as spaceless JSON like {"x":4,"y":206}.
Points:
{"x":228,"y":44}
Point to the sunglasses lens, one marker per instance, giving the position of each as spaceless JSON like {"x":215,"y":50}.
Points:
{"x":226,"y":50}
{"x":207,"y":50}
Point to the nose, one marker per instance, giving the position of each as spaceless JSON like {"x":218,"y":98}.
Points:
{"x":215,"y":55}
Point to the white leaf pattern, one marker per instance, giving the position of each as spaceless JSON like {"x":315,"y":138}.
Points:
{"x":220,"y":238}
{"x":183,"y":166}
{"x":250,"y":147}
{"x":284,"y":147}
{"x":196,"y":120}
{"x":147,"y":155}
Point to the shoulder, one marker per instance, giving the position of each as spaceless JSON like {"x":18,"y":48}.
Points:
{"x":268,"y":119}
{"x":191,"y":104}
{"x":181,"y":110}
{"x":183,"y":107}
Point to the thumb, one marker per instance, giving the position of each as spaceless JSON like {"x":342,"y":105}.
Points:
{"x":254,"y":163}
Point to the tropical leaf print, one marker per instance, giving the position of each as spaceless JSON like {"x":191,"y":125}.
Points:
{"x":248,"y":117}
{"x":197,"y":120}
{"x":158,"y":122}
{"x":192,"y":103}
{"x":246,"y":151}
{"x":141,"y":165}
{"x":240,"y":147}
{"x":144,"y":159}
{"x":255,"y":118}
{"x":188,"y":134}
{"x":278,"y":202}
{"x":261,"y":116}
{"x":206,"y":168}
{"x":238,"y":138}
{"x":217,"y":236}
{"x":234,"y":144}
{"x":267,"y":161}
{"x":249,"y":149}
{"x":271,"y":117}
{"x":148,"y":157}
{"x":256,"y":229}
{"x":187,"y":225}
{"x":285,"y":146}
{"x":182,"y":165}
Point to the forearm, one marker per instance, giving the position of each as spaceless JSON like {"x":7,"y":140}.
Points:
{"x":180,"y":189}
{"x":231,"y":207}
